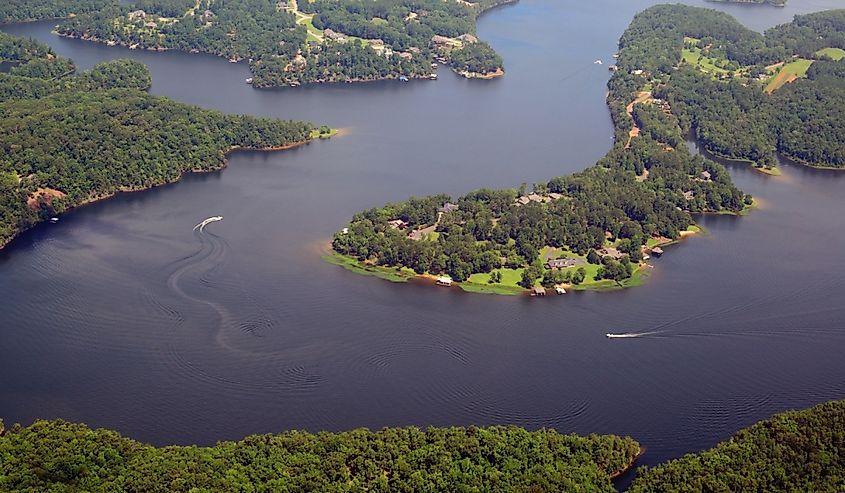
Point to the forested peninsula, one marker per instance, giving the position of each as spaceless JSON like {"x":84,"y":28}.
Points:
{"x":60,"y":456}
{"x":793,"y":451}
{"x":680,"y":70}
{"x":292,"y":42}
{"x":67,"y":139}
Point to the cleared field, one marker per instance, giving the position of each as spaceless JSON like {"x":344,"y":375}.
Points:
{"x":707,"y":64}
{"x":790,"y":72}
{"x":834,"y":53}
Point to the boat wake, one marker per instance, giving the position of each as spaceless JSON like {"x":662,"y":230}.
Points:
{"x":631,"y":335}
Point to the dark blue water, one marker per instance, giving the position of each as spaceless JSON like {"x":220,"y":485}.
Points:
{"x":119,"y":316}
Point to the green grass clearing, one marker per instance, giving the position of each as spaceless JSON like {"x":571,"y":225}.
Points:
{"x":834,"y":53}
{"x":788,"y":73}
{"x":706,"y":64}
{"x":391,"y":274}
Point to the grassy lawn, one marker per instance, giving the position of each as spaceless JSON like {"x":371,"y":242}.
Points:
{"x":835,"y":53}
{"x":314,"y":34}
{"x":788,"y":73}
{"x":510,"y":277}
{"x":391,"y":274}
{"x":706,"y":64}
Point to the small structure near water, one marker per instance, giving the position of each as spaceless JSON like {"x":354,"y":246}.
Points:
{"x":444,"y":281}
{"x":538,"y":291}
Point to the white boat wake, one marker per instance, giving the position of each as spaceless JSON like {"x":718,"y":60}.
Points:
{"x":630,"y":335}
{"x":205,"y":222}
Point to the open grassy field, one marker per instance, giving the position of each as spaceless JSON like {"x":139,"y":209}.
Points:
{"x":706,"y":64}
{"x":788,"y":73}
{"x":835,"y":53}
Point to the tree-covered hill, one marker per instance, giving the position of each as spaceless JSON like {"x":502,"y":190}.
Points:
{"x":58,"y":456}
{"x":67,"y":139}
{"x":744,"y":95}
{"x":798,"y":451}
{"x":291,"y":42}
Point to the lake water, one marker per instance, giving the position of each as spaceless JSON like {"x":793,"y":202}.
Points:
{"x":119,"y":316}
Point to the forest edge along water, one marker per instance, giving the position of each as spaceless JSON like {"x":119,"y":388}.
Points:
{"x":304,"y":345}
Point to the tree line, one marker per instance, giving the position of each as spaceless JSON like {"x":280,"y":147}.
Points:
{"x":33,"y":10}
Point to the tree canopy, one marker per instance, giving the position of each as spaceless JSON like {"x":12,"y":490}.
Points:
{"x":64,"y":457}
{"x":34,"y":10}
{"x":793,"y":451}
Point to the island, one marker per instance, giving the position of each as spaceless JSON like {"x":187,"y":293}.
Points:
{"x":62,"y":456}
{"x":290,"y":42}
{"x":680,"y":71}
{"x":69,"y":139}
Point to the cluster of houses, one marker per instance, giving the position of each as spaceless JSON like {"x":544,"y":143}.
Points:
{"x":563,"y":263}
{"x":535,"y":197}
{"x":447,"y":43}
{"x":420,"y":234}
{"x":662,"y":104}
{"x":704,"y":176}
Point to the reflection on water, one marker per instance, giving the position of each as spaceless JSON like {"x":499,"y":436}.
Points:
{"x":121,"y":316}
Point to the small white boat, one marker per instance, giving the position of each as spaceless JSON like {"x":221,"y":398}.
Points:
{"x":598,"y":62}
{"x":403,"y":78}
{"x":54,"y":220}
{"x":249,"y":80}
{"x":205,"y":222}
{"x":621,"y":336}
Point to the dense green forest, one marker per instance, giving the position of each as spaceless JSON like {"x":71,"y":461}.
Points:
{"x":742,"y":94}
{"x":33,"y":10}
{"x":63,"y":457}
{"x":794,"y":451}
{"x":67,"y":138}
{"x":290,"y":43}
